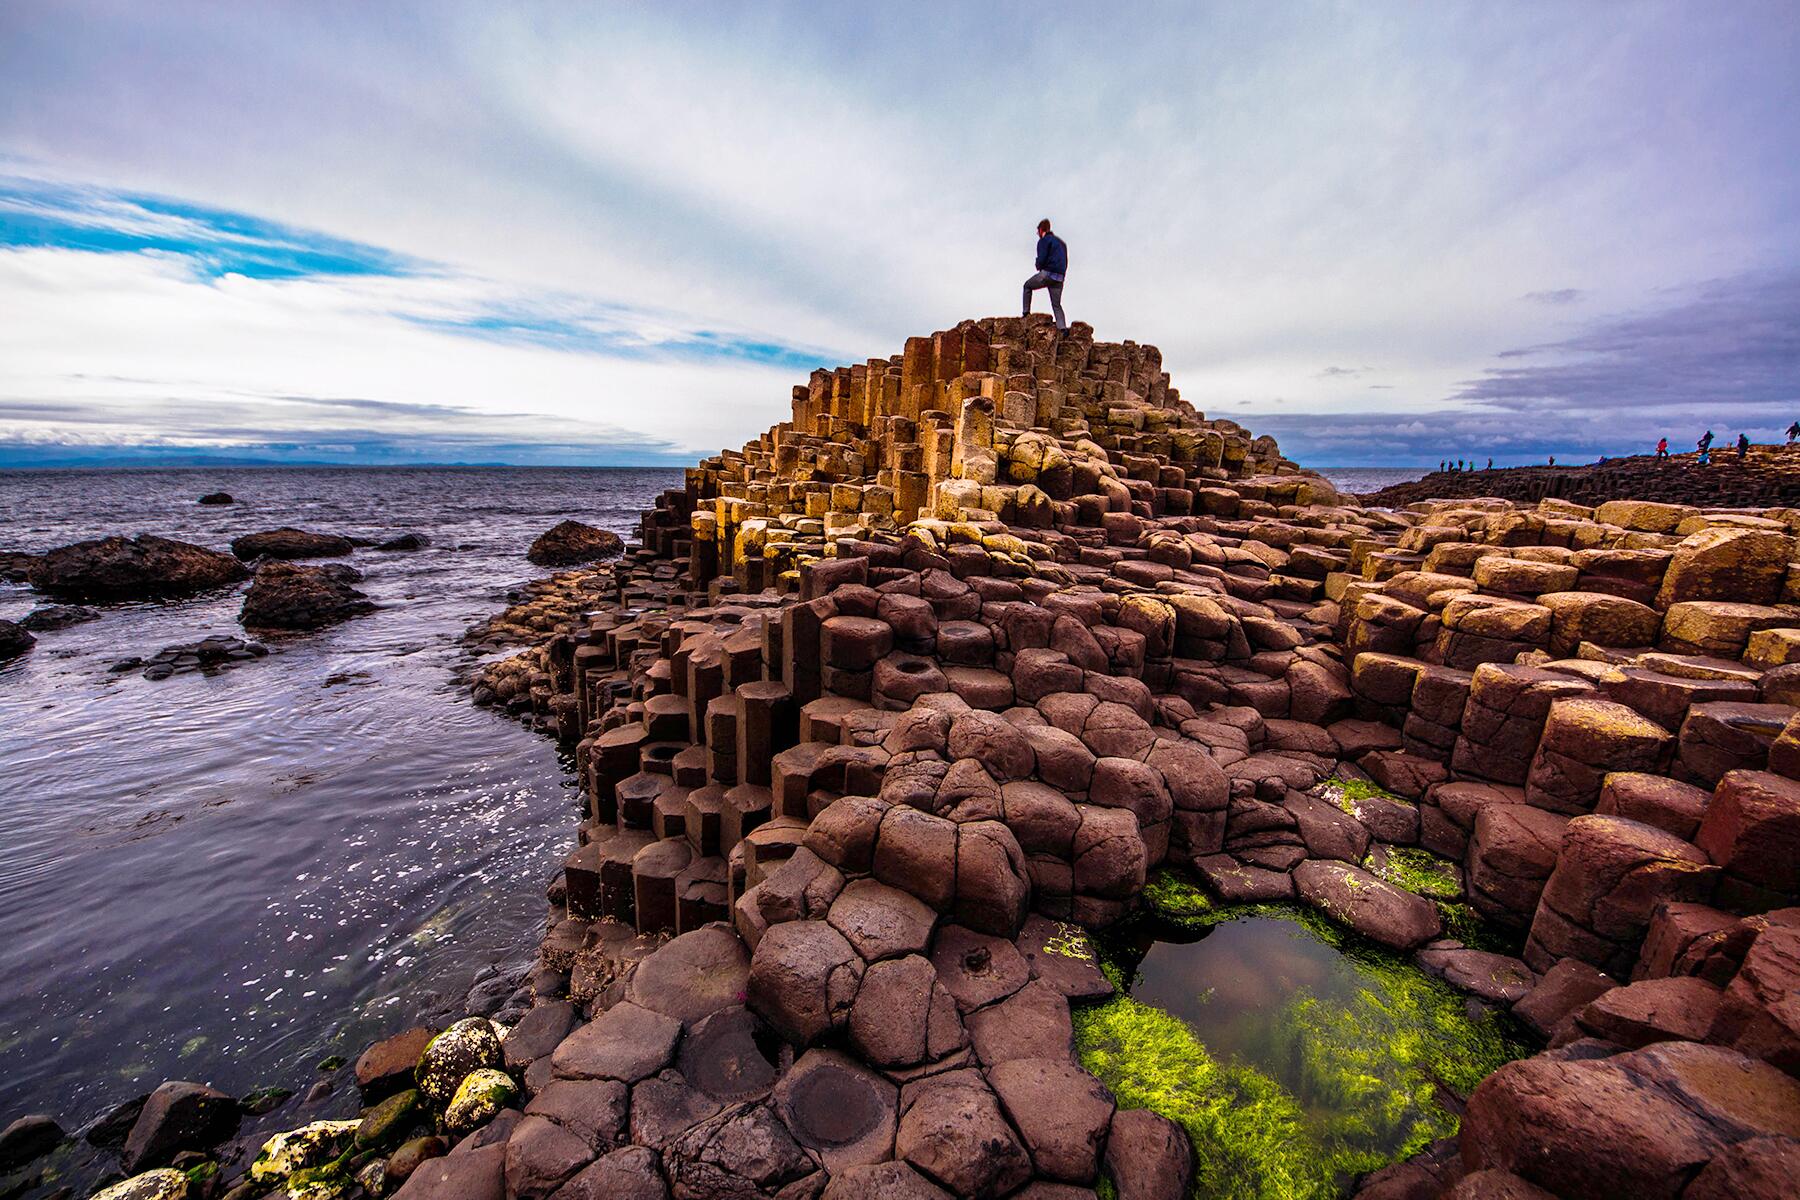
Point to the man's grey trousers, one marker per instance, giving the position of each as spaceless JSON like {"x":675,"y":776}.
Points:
{"x":1043,"y":279}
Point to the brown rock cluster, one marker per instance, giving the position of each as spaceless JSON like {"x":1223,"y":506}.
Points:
{"x":892,"y":705}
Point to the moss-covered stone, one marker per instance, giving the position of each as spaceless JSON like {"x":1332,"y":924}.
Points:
{"x":166,"y":1183}
{"x":312,"y":1145}
{"x":263,"y":1099}
{"x":1418,"y":871}
{"x":372,"y":1177}
{"x":1347,"y":794}
{"x":324,"y":1182}
{"x":469,"y":1045}
{"x":387,"y":1122}
{"x":480,"y":1096}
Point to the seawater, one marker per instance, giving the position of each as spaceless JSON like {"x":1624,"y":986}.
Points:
{"x":1361,"y":480}
{"x":229,"y":878}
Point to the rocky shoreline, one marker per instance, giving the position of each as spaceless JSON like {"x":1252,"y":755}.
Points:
{"x":891,"y":716}
{"x":1767,"y":477}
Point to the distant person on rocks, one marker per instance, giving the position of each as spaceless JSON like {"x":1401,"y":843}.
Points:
{"x":1705,"y":442}
{"x":1793,"y":432}
{"x":1743,"y":445}
{"x":1443,"y":465}
{"x":1490,"y":465}
{"x":1662,"y":448}
{"x":1052,"y":267}
{"x":1553,"y":460}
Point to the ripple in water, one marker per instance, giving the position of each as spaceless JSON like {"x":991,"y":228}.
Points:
{"x":228,"y":878}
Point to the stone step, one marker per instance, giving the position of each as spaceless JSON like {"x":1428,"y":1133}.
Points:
{"x":702,"y":809}
{"x":654,"y":870}
{"x":617,"y":889}
{"x":746,"y":807}
{"x":702,"y":893}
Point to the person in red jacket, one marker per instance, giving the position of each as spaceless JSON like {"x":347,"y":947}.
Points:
{"x":1662,"y":448}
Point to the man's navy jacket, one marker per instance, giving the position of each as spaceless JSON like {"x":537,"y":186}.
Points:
{"x":1052,"y":255}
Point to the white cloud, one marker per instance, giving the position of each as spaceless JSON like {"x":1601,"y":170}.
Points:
{"x":149,"y":337}
{"x":1257,"y":189}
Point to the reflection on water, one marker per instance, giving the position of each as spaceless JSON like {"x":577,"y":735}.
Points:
{"x":1232,"y":982}
{"x":1375,"y":1056}
{"x":228,"y":878}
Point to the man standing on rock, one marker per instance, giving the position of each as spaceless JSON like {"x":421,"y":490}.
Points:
{"x":1052,"y":266}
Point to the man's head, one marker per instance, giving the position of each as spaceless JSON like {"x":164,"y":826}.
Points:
{"x":1043,"y":226}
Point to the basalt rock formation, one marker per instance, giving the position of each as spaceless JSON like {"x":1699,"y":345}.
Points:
{"x":893,"y":707}
{"x":1767,"y":477}
{"x":917,"y":687}
{"x":145,"y":567}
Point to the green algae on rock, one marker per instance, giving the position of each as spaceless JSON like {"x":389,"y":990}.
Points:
{"x":1331,"y":1081}
{"x":1418,"y":871}
{"x":1248,"y":1134}
{"x":164,"y":1183}
{"x":480,"y":1095}
{"x":469,"y":1045}
{"x":297,"y":1149}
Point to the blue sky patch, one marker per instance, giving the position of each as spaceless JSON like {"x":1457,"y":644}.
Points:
{"x":215,"y":241}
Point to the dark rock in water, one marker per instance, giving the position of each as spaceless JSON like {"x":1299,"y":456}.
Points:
{"x":113,"y":1126}
{"x":570,"y":542}
{"x":15,"y":565}
{"x":14,"y":641}
{"x":218,"y":498}
{"x":288,"y":543}
{"x":57,"y":616}
{"x":142,"y":568}
{"x":30,"y":1137}
{"x":264,"y":1100}
{"x":406,"y":541}
{"x":285,"y":596}
{"x":179,"y":1116}
{"x":209,"y":656}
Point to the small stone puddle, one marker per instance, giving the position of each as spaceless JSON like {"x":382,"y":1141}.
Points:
{"x":1296,"y":1057}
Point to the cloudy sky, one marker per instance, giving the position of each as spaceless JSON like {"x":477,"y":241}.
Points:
{"x":1386,"y":233}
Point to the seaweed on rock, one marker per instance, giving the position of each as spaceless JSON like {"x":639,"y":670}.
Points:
{"x":1249,"y":1135}
{"x":1362,"y":1083}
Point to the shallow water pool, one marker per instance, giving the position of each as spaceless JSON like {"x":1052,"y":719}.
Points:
{"x":1296,"y":1057}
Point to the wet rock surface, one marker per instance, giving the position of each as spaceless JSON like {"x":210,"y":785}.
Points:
{"x":285,"y":596}
{"x":15,"y":640}
{"x":145,"y":567}
{"x":570,"y":543}
{"x":207,"y":656}
{"x":57,"y":616}
{"x":290,"y":543}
